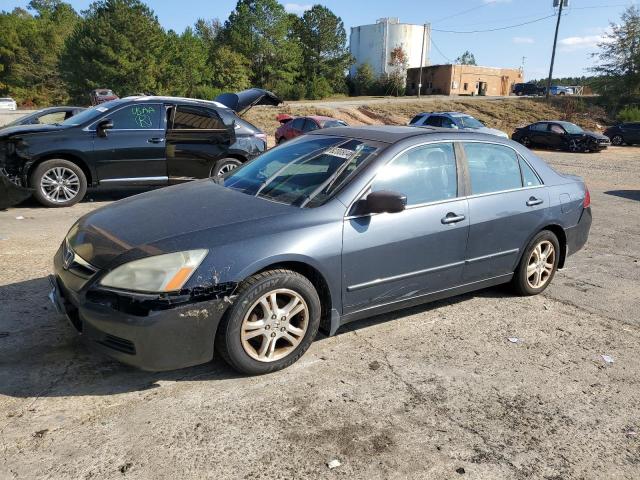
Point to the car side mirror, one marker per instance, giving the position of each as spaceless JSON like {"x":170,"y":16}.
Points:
{"x":103,"y":126}
{"x":382,"y":201}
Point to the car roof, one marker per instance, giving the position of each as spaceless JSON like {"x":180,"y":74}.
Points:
{"x":452,"y":114}
{"x":184,"y":100}
{"x":389,"y":133}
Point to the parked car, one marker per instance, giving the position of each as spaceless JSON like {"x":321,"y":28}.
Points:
{"x":292,"y":127}
{"x":46,"y":116}
{"x":561,"y":136}
{"x":331,"y":227}
{"x":521,"y":89}
{"x":102,"y":95}
{"x":454,"y":120}
{"x":560,"y":90}
{"x":624,"y":133}
{"x":8,"y":103}
{"x":141,"y":141}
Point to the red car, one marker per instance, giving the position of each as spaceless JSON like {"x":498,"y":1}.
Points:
{"x":291,"y":127}
{"x":101,"y":95}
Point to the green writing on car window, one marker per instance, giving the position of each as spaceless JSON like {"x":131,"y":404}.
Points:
{"x":142,"y":115}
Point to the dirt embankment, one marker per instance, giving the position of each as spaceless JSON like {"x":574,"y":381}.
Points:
{"x":504,"y":114}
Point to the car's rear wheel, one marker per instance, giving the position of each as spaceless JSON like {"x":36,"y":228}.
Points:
{"x":538,"y":264}
{"x":224,"y":166}
{"x":58,"y":183}
{"x":617,"y":140}
{"x":271,"y":323}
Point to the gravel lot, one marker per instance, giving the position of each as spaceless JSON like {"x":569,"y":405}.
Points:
{"x":436,"y":391}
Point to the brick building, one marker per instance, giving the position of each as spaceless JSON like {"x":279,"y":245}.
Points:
{"x":463,"y":80}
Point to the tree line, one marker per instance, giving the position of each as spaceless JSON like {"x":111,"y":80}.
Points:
{"x":51,"y":54}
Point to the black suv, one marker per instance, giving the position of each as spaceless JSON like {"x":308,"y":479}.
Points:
{"x":134,"y":141}
{"x":521,"y":89}
{"x":622,"y":133}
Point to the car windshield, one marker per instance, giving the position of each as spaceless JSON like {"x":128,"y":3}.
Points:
{"x":304,"y":172}
{"x":470,"y":122}
{"x":90,"y":113}
{"x":571,"y":127}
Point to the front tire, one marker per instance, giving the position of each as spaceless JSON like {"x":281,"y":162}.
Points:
{"x":274,"y":319}
{"x":538,"y":264}
{"x":58,"y":183}
{"x":526,"y":142}
{"x":224,"y":166}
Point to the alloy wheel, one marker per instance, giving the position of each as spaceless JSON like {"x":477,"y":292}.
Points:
{"x":60,"y":184}
{"x":540,"y":265}
{"x":226,"y":168}
{"x":617,"y":140}
{"x":526,"y":142}
{"x":275,"y":325}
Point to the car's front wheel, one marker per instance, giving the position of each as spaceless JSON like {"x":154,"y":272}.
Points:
{"x":58,"y":183}
{"x":538,"y":264}
{"x":224,"y":166}
{"x":272,"y":322}
{"x":526,"y":141}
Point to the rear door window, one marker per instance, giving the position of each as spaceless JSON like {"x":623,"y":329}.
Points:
{"x":448,"y":123}
{"x":189,"y":117}
{"x":434,"y":121}
{"x":416,"y":120}
{"x":424,"y":174}
{"x":310,"y":125}
{"x":492,"y":168}
{"x":539,"y":127}
{"x":298,"y":123}
{"x":137,"y":117}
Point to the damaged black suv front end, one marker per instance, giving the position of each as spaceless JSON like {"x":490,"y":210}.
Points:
{"x":151,"y":331}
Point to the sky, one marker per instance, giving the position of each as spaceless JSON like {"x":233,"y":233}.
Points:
{"x":581,"y":27}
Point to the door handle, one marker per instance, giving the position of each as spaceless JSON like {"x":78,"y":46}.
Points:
{"x":452,"y":218}
{"x":533,"y":201}
{"x":156,"y":140}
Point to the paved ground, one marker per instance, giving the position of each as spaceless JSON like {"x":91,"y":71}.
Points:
{"x":435,"y":391}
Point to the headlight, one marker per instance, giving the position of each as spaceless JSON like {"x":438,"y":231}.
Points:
{"x":161,"y":273}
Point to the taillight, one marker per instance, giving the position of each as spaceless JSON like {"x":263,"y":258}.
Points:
{"x":586,"y":203}
{"x":261,"y":136}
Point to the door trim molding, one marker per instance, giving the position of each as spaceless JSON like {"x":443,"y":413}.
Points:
{"x":135,"y":179}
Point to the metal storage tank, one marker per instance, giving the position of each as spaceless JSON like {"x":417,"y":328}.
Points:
{"x":373,"y":44}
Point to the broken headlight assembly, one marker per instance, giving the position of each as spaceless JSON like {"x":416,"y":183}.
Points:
{"x":157,"y":274}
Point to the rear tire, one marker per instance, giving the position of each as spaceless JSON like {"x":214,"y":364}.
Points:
{"x":538,"y":264}
{"x":224,"y":166}
{"x":617,"y":140}
{"x":58,"y":183}
{"x":256,"y":337}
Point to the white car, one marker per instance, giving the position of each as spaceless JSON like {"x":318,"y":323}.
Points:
{"x":8,"y":104}
{"x":456,"y":120}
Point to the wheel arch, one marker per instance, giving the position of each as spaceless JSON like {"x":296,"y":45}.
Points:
{"x":75,"y":159}
{"x":560,"y":234}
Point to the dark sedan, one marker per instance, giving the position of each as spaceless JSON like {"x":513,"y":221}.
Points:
{"x":46,"y":116}
{"x":624,"y":133}
{"x":331,"y":227}
{"x":560,"y":135}
{"x":134,"y":141}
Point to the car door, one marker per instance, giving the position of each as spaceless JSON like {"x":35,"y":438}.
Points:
{"x":310,"y":125}
{"x":132,"y":152}
{"x":507,"y":205}
{"x":295,"y":128}
{"x":538,"y":133}
{"x":393,"y":256}
{"x":557,"y":136}
{"x":632,"y":133}
{"x":197,"y":138}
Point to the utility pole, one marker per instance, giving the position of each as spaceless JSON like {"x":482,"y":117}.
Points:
{"x":555,"y":42}
{"x":424,"y":37}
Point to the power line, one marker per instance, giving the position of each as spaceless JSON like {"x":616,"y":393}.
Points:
{"x":440,"y":51}
{"x":463,"y":12}
{"x":494,"y":29}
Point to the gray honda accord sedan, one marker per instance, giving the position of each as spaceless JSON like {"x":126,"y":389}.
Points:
{"x":328,"y":228}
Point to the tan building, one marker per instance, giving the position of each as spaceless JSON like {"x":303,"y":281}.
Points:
{"x":463,"y":80}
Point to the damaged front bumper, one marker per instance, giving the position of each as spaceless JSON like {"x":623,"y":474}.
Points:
{"x":148,"y":334}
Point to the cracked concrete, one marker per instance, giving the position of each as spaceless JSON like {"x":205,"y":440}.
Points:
{"x":426,"y":392}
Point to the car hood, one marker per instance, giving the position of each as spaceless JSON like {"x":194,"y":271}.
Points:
{"x":596,"y":135}
{"x":139,"y":223}
{"x":242,"y":101}
{"x":28,"y":129}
